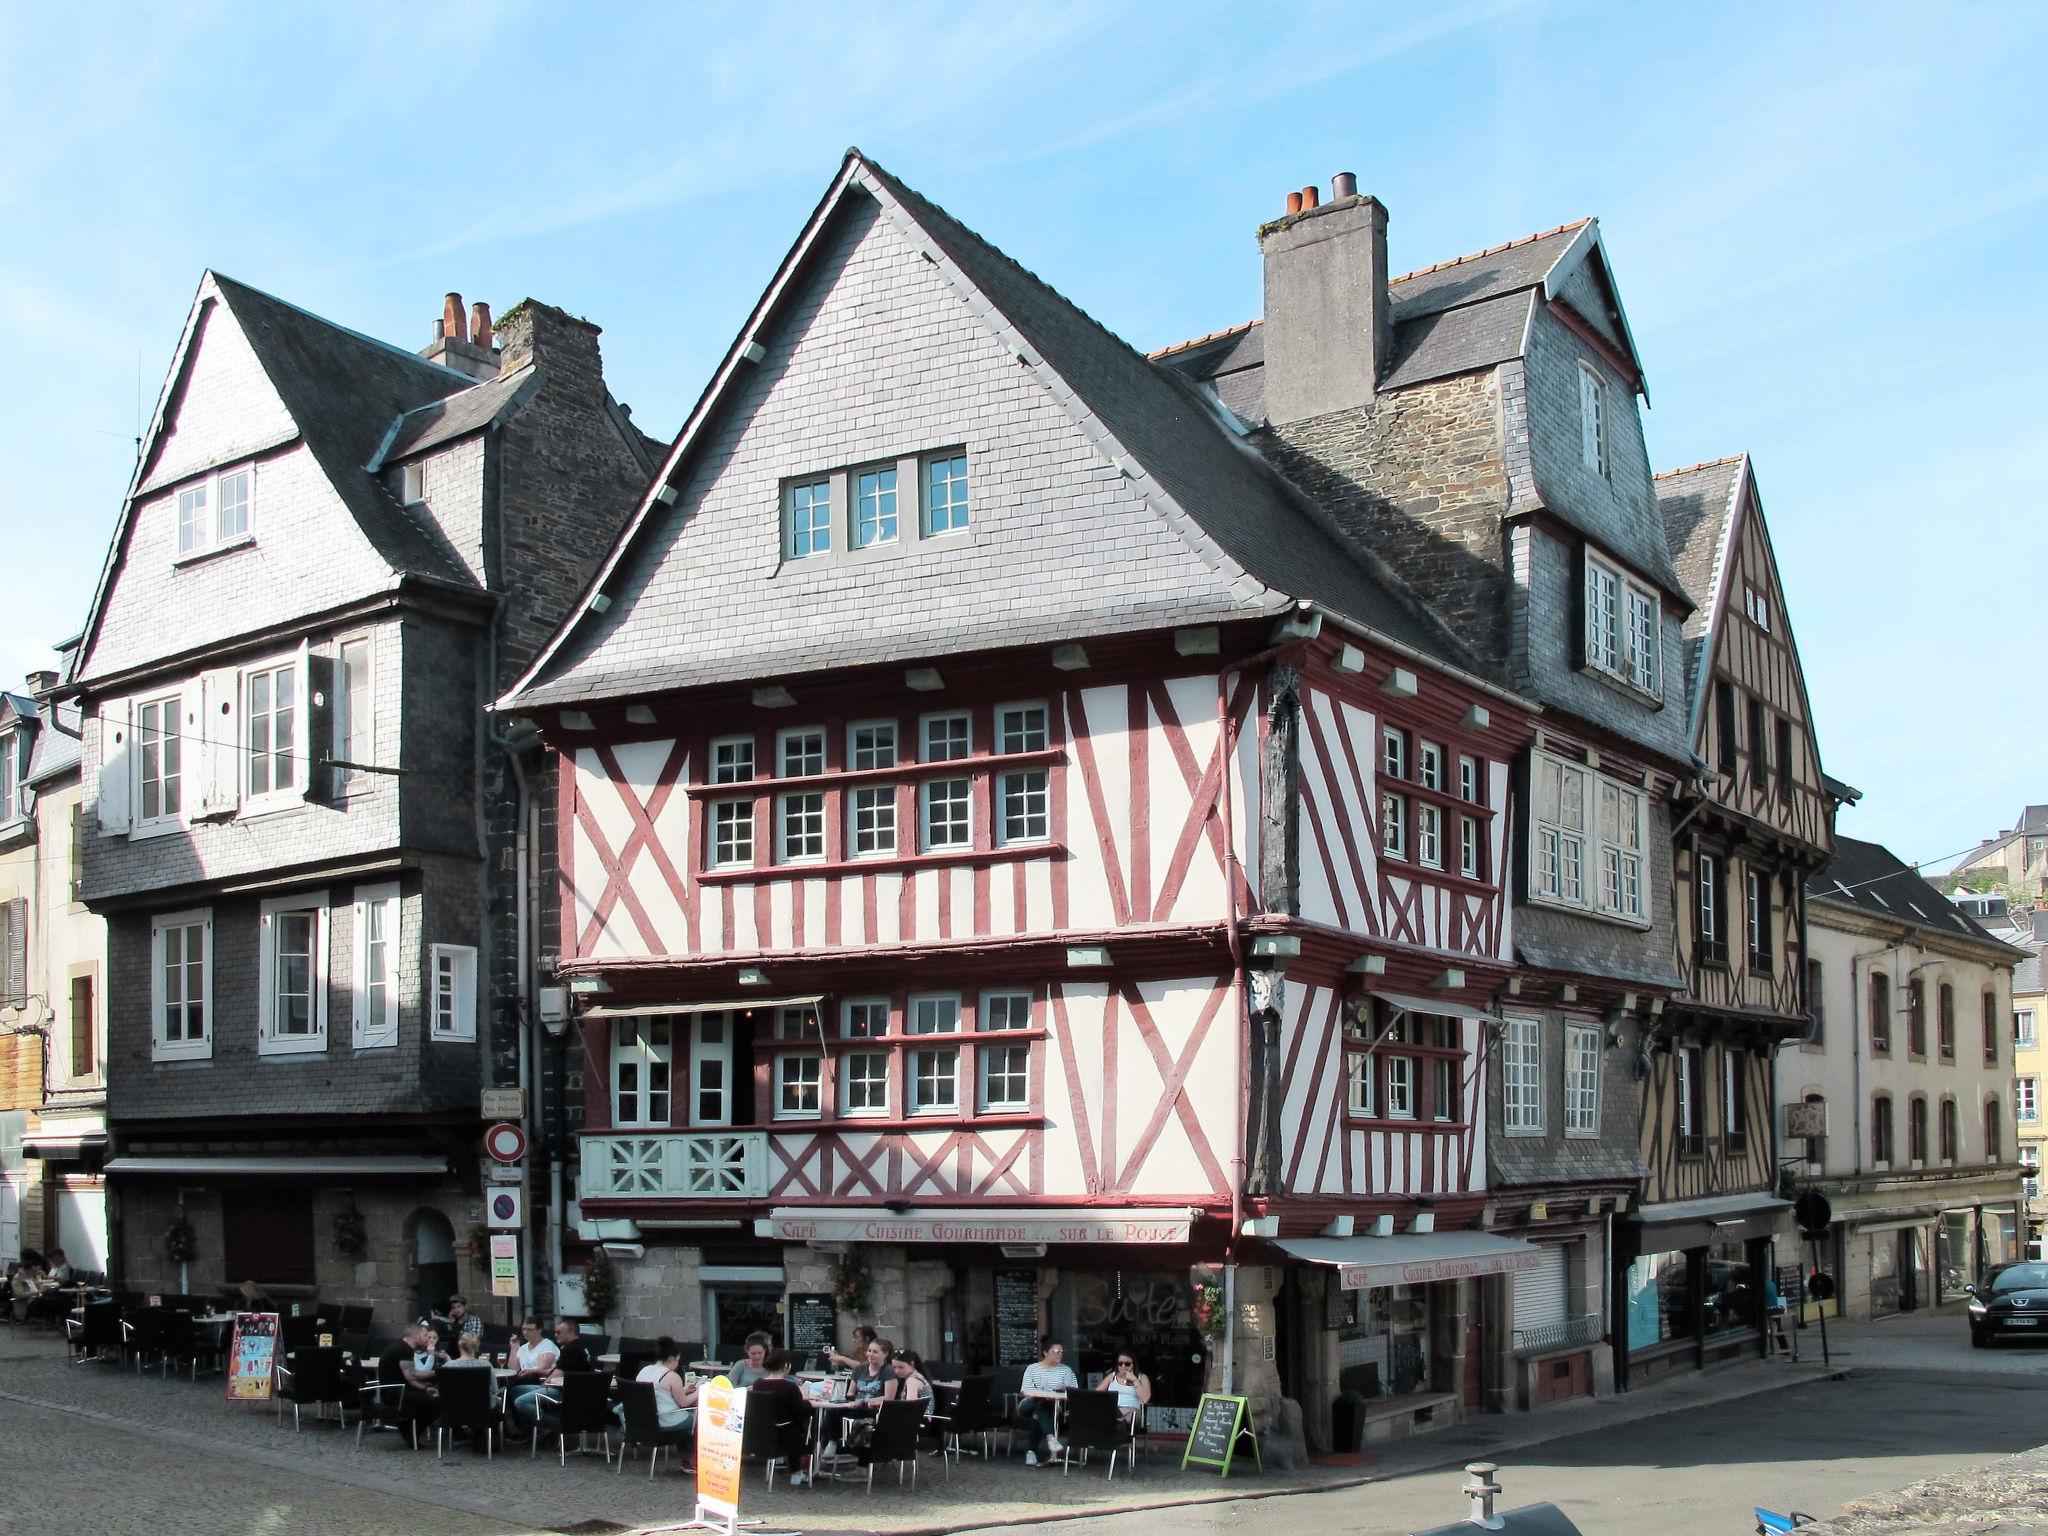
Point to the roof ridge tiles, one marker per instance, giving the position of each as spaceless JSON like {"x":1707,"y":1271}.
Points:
{"x":391,"y":347}
{"x":1667,"y":474}
{"x":1493,"y":250}
{"x":1195,"y":341}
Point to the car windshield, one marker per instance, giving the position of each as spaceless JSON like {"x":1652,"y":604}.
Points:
{"x":2021,"y":1277}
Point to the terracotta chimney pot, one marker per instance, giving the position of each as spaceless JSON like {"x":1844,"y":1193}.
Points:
{"x":1309,"y":198}
{"x":480,"y":323}
{"x":454,"y":327}
{"x":1293,"y":203}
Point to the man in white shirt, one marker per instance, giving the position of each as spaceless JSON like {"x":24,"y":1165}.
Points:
{"x":532,"y":1362}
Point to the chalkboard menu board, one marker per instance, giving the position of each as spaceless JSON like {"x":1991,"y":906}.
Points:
{"x":1221,"y":1423}
{"x":1016,"y":1316}
{"x":813,"y":1326}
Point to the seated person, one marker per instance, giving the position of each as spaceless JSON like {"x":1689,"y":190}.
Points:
{"x":774,"y":1394}
{"x":1044,"y":1384}
{"x":873,"y":1380}
{"x":675,"y":1401}
{"x":572,"y":1351}
{"x":461,"y":1320}
{"x":61,"y":1272}
{"x":863,"y":1336}
{"x":428,"y":1357}
{"x":532,"y":1361}
{"x":1133,"y":1388}
{"x":469,"y":1354}
{"x":418,"y":1402}
{"x":910,"y":1385}
{"x":751,"y":1369}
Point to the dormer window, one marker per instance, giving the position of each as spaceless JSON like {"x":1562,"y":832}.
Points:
{"x":214,"y":513}
{"x":412,"y":483}
{"x":1624,"y":627}
{"x":1592,"y":420}
{"x":858,"y":513}
{"x":808,"y":520}
{"x":945,"y":495}
{"x":875,"y":507}
{"x":11,"y":752}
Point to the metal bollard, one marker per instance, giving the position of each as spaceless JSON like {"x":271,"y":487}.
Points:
{"x":1482,"y":1491}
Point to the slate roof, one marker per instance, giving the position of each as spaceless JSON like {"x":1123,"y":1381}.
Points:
{"x":1698,"y":504}
{"x":1487,"y":274}
{"x":1195,"y":469}
{"x":343,"y":390}
{"x":1873,"y":880}
{"x":57,"y":746}
{"x":2026,"y":976}
{"x":457,"y":415}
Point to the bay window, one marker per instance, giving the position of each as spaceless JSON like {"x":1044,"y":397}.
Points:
{"x":1623,"y":633}
{"x":1575,"y":811}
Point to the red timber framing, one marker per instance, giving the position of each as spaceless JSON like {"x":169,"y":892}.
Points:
{"x":1137,"y":1070}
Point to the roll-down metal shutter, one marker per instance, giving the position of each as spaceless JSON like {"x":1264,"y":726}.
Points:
{"x":1540,"y":1300}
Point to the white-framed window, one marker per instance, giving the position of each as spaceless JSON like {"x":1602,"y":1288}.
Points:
{"x":800,"y":827}
{"x":452,"y":1005}
{"x":800,"y":752}
{"x":2030,"y":1169}
{"x":159,"y":759}
{"x":732,"y":834}
{"x":1021,"y":728}
{"x":945,"y":494}
{"x":1400,"y":1087}
{"x":864,"y":1083}
{"x":1429,"y":835}
{"x":871,"y":821}
{"x":181,"y":985}
{"x":1521,"y":1061}
{"x":215,"y":513}
{"x":874,"y":506}
{"x":799,"y":1085}
{"x":807,"y":519}
{"x":946,"y":812}
{"x":270,"y":729}
{"x":355,"y":711}
{"x":1735,"y":1100}
{"x":1757,"y":604}
{"x":378,"y":919}
{"x":1023,"y":806}
{"x":732,"y":759}
{"x":1005,"y":1077}
{"x":1359,"y":1076}
{"x":1592,"y":419}
{"x":2027,"y":1098}
{"x":292,"y":979}
{"x":1692,"y":1100}
{"x":934,"y":1071}
{"x":1581,"y":1080}
{"x":643,"y":1065}
{"x":412,"y":483}
{"x":1566,"y":818}
{"x":1443,"y":1092}
{"x":12,"y":760}
{"x":1429,"y":765}
{"x":1004,"y":1010}
{"x":945,"y":738}
{"x":1623,"y":626}
{"x":1393,"y":824}
{"x":871,"y":744}
{"x":864,"y":1018}
{"x":1470,"y":784}
{"x":2022,"y":1029}
{"x":1471,"y":858}
{"x":1393,"y":753}
{"x":1759,"y":909}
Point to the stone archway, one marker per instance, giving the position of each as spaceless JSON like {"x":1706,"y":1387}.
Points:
{"x":430,"y":1256}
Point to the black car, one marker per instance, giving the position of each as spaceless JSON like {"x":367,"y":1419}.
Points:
{"x":2011,"y":1303}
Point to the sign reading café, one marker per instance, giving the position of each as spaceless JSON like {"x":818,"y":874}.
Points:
{"x":1083,"y":1227}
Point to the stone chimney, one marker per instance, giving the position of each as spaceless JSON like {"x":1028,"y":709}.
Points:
{"x":552,"y":339}
{"x":1329,"y":331}
{"x":41,"y":684}
{"x":461,"y":345}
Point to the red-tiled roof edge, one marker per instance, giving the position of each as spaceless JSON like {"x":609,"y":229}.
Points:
{"x":1728,"y":458}
{"x":1492,"y":250}
{"x":1196,"y":341}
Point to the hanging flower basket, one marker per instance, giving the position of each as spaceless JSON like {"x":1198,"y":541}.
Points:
{"x":181,"y":1244}
{"x":1208,"y":1311}
{"x":852,"y":1285}
{"x":600,"y":1287}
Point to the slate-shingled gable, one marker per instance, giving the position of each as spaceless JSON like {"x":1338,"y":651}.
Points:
{"x":1699,"y":504}
{"x":1876,"y":882}
{"x":1261,"y":543}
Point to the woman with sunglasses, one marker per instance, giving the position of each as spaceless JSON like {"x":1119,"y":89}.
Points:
{"x":1133,"y":1388}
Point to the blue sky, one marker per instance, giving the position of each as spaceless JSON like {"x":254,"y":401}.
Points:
{"x":1826,"y":223}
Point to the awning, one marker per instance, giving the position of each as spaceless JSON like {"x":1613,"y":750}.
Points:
{"x":1413,"y":1258}
{"x":300,"y":1167}
{"x":56,"y":1144}
{"x":1088,"y":1226}
{"x":1445,"y":1005}
{"x":1695,"y":1223}
{"x":730,"y":1005}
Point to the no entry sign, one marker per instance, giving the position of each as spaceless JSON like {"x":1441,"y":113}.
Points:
{"x":505,"y":1142}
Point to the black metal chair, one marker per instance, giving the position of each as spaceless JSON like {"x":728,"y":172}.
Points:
{"x":356,"y":1319}
{"x":974,"y":1413}
{"x":179,"y":1343}
{"x":765,"y":1438}
{"x":630,"y":1363}
{"x":143,"y":1330}
{"x":96,"y":1334}
{"x":938,"y":1423}
{"x":295,"y":1333}
{"x":643,"y":1426}
{"x":383,"y":1404}
{"x":691,"y":1349}
{"x":1094,"y":1422}
{"x":581,"y":1405}
{"x":469,"y":1400}
{"x":311,"y":1376}
{"x":897,"y":1426}
{"x":1009,"y":1388}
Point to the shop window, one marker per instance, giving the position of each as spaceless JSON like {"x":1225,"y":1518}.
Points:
{"x":1730,"y":1303}
{"x":1658,"y":1295}
{"x":1383,"y":1350}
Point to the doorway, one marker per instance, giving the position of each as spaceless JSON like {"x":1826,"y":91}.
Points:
{"x":433,"y":1257}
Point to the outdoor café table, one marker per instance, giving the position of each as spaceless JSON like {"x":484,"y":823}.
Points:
{"x":707,"y":1367}
{"x":828,"y":1427}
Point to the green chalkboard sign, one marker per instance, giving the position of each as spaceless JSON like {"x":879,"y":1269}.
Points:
{"x":1222,"y":1424}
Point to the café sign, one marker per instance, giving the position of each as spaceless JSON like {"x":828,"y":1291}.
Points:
{"x":1086,"y":1228}
{"x":1370,"y":1277}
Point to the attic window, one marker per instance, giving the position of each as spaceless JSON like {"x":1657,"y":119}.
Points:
{"x":413,"y":483}
{"x":214,"y":513}
{"x":1592,"y":420}
{"x":1624,"y":630}
{"x":1757,"y":605}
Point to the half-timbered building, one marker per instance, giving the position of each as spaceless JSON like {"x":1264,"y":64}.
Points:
{"x":1475,"y":425}
{"x":1751,"y":828}
{"x":1014,"y":845}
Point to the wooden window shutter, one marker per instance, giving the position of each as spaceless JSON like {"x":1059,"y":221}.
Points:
{"x":14,"y":960}
{"x":116,"y":791}
{"x":315,"y":726}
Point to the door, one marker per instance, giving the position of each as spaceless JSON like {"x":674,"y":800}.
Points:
{"x":433,"y":1256}
{"x":1890,"y":1252}
{"x":711,"y":1069}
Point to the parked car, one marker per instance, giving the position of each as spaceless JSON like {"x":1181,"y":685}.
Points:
{"x":2010,"y":1303}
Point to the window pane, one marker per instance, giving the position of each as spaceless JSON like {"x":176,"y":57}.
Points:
{"x":803,"y":753}
{"x":875,"y":508}
{"x":948,"y":814}
{"x":935,"y":1079}
{"x":802,"y":823}
{"x":945,"y":495}
{"x":866,"y":1075}
{"x":1026,"y":815}
{"x":810,"y":519}
{"x":934,"y":1015}
{"x":873,"y":745}
{"x":1005,"y":1076}
{"x":873,"y":821}
{"x":231,"y":517}
{"x":945,"y":738}
{"x":732,"y":832}
{"x":1005,"y":1010}
{"x":1021,"y":728}
{"x":732,"y":760}
{"x":865,"y":1018}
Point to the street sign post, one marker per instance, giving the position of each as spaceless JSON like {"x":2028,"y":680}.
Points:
{"x":505,"y":1208}
{"x":1815,"y":1214}
{"x":505,"y":1142}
